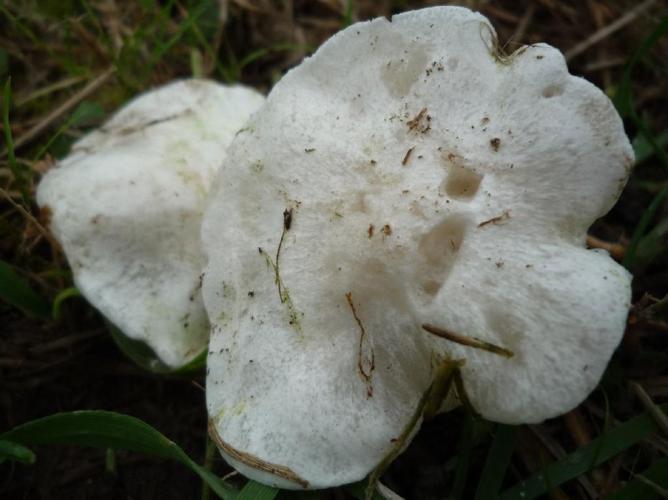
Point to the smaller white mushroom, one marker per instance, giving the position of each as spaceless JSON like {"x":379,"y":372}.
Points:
{"x":126,"y":206}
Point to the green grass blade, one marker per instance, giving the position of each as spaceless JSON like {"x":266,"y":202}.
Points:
{"x":99,"y":429}
{"x":257,"y":491}
{"x":652,"y":245}
{"x":22,"y":27}
{"x":17,"y":292}
{"x":642,"y":227}
{"x":9,"y":141}
{"x":14,"y":451}
{"x":347,"y":15}
{"x":358,"y":490}
{"x":63,"y":295}
{"x":497,"y":462}
{"x":103,"y":429}
{"x":197,"y":364}
{"x":595,"y":453}
{"x":644,"y":485}
{"x":137,"y":351}
{"x":644,"y":150}
{"x":84,"y":112}
{"x":17,"y":172}
{"x":623,"y":97}
{"x":649,"y":137}
{"x":164,"y":13}
{"x":209,"y":452}
{"x":260,"y":53}
{"x":465,"y":449}
{"x":625,"y":106}
{"x":4,"y":62}
{"x":146,"y":358}
{"x":252,"y":57}
{"x":196,"y":63}
{"x":163,"y":48}
{"x":659,"y":310}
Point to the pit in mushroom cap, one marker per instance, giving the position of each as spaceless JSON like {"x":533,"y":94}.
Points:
{"x":429,"y":184}
{"x":127,"y":203}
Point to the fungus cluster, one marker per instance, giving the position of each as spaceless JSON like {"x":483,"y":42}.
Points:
{"x":408,"y":202}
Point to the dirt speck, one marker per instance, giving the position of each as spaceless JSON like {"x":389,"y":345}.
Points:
{"x":420,"y":123}
{"x":257,"y":167}
{"x":407,"y":156}
{"x":496,"y":220}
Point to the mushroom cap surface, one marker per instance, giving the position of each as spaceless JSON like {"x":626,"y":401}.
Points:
{"x":406,"y":175}
{"x":127,"y":203}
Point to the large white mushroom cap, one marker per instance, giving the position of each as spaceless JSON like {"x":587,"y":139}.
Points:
{"x":408,"y":175}
{"x":127,"y":204}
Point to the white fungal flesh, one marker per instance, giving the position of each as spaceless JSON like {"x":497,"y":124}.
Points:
{"x":127,"y":205}
{"x":430,"y":182}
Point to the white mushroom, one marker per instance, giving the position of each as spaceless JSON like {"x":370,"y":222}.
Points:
{"x":127,"y":203}
{"x":408,"y":179}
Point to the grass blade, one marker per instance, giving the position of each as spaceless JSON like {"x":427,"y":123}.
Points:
{"x":17,"y":292}
{"x":13,"y":451}
{"x":595,"y":453}
{"x":358,"y":490}
{"x":163,"y":48}
{"x":652,"y":245}
{"x":257,"y":491}
{"x":644,"y":150}
{"x":623,"y":97}
{"x":659,"y":310}
{"x":84,"y":112}
{"x":63,"y":295}
{"x":497,"y":462}
{"x":465,"y":449}
{"x":642,"y":227}
{"x":625,"y":106}
{"x":141,"y":354}
{"x":209,"y":453}
{"x":644,"y":486}
{"x":103,"y":429}
{"x":347,"y":14}
{"x":9,"y":140}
